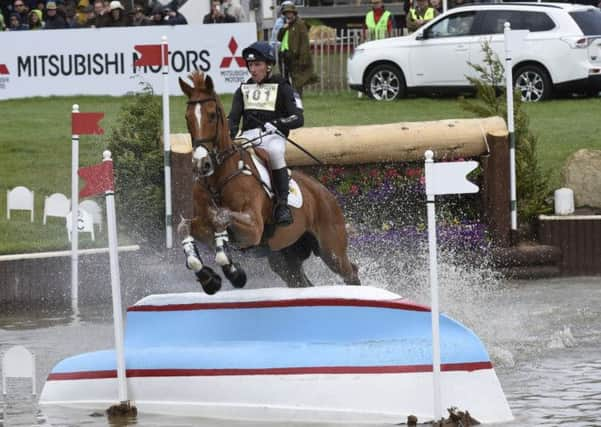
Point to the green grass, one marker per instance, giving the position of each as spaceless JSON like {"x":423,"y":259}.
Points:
{"x":35,"y":143}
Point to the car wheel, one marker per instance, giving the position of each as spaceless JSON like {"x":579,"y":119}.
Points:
{"x":533,"y":83}
{"x":385,"y":83}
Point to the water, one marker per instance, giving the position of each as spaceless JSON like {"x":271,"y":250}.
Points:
{"x":544,"y":337}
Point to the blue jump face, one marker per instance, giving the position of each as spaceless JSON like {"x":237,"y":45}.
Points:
{"x":338,"y":337}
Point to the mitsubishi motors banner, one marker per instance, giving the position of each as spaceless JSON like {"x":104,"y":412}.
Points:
{"x":101,"y":61}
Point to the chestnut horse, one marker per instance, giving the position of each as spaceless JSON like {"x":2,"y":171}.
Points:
{"x":230,"y":202}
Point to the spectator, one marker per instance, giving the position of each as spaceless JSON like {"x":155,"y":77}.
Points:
{"x":22,"y":9}
{"x":2,"y":24}
{"x":100,"y":15}
{"x":378,"y":21}
{"x":81,"y":16}
{"x":138,"y":18}
{"x":34,"y":20}
{"x":296,"y":50}
{"x":420,"y":14}
{"x":85,"y":16}
{"x":53,"y":20}
{"x":279,"y":23}
{"x":173,"y":17}
{"x":216,"y":15}
{"x":157,"y":16}
{"x":116,"y":16}
{"x":15,"y":24}
{"x":233,"y":8}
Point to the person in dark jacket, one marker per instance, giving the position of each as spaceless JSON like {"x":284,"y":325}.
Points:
{"x":172,"y":17}
{"x":269,"y":109}
{"x":54,"y":21}
{"x":295,"y":50}
{"x":116,"y":16}
{"x":15,"y":24}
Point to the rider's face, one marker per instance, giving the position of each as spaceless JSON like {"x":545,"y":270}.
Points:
{"x":258,"y":70}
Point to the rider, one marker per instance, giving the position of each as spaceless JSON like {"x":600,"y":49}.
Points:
{"x":269,"y":108}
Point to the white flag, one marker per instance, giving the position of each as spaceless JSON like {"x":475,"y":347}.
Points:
{"x":449,"y":178}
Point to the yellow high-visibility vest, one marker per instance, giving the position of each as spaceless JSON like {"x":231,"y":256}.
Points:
{"x":377,"y":30}
{"x":284,"y":44}
{"x":429,"y":14}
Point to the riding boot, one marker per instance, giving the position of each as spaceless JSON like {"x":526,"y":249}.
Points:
{"x":281,"y":212}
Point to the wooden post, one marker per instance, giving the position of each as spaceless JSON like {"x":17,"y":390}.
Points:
{"x":496,"y":183}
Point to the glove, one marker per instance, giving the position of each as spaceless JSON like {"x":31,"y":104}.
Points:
{"x":270,"y":128}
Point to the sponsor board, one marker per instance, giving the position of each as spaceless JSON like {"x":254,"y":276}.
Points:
{"x":101,"y":61}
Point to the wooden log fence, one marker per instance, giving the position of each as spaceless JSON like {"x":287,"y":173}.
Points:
{"x":485,"y":139}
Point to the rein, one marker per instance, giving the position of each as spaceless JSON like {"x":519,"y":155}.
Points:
{"x":219,"y":157}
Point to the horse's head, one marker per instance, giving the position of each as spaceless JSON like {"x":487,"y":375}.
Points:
{"x":204,"y":114}
{"x":205,"y":119}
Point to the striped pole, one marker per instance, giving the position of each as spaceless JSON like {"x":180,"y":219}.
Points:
{"x":510,"y":126}
{"x":74,"y":217}
{"x":167,"y":144}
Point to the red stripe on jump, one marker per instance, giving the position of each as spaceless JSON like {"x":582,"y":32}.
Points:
{"x":302,"y":302}
{"x":132,"y":373}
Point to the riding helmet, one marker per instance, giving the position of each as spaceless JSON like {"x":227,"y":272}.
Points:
{"x":259,"y":51}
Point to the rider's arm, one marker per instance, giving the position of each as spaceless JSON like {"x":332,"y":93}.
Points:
{"x":292,"y":116}
{"x":233,"y":119}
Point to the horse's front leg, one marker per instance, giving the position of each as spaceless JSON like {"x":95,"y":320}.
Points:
{"x":232,"y":270}
{"x":209,"y":280}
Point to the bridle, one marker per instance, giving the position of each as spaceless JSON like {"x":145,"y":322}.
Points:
{"x":219,"y":116}
{"x":216,"y":157}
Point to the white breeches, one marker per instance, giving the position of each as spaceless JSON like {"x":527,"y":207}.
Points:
{"x":274,"y":144}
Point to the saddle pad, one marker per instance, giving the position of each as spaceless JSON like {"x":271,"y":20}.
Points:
{"x":295,"y":198}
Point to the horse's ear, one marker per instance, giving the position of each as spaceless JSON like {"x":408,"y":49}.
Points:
{"x":209,"y":84}
{"x":186,"y":88}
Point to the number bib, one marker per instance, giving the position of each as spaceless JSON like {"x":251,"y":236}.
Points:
{"x":260,"y":97}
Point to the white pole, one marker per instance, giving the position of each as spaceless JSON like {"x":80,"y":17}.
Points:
{"x":445,"y":6}
{"x":74,"y":216}
{"x":432,"y":248}
{"x":166,"y":144}
{"x":111,"y":221}
{"x":510,"y":126}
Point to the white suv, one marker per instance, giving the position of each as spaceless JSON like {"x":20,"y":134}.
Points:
{"x":561,"y":52}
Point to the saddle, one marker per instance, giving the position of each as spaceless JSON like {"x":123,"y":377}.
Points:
{"x":261,"y":161}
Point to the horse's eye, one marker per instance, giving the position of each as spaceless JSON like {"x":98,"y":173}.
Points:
{"x":212,"y":116}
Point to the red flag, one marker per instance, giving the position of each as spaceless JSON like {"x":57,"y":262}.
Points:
{"x":151,"y":55}
{"x":86,"y":123}
{"x":99,"y":179}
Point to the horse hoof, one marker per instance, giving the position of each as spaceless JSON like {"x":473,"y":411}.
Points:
{"x":235,"y":274}
{"x":209,"y":280}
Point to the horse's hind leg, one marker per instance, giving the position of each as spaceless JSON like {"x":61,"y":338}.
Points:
{"x":333,"y":251}
{"x":288,"y":263}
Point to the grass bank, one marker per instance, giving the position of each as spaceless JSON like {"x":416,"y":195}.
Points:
{"x":35,"y":143}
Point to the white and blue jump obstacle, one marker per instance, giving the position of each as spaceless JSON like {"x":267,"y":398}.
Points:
{"x":324,"y":354}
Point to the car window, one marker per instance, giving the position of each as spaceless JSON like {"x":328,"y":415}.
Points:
{"x":458,"y":24}
{"x":493,"y":21}
{"x":589,"y":21}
